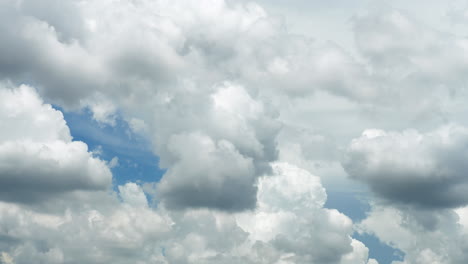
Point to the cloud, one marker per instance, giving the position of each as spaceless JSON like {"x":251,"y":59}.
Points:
{"x":33,"y":51}
{"x":91,"y":223}
{"x":423,"y":169}
{"x":223,"y":89}
{"x":121,"y":234}
{"x":424,"y":236}
{"x":143,"y":80}
{"x":408,"y":58}
{"x":290,"y":218}
{"x":102,"y":109}
{"x":6,"y":259}
{"x":178,"y":74}
{"x":132,"y":194}
{"x":172,"y":76}
{"x":215,"y":148}
{"x":38,"y":159}
{"x":289,"y":202}
{"x":209,"y":174}
{"x":183,"y":72}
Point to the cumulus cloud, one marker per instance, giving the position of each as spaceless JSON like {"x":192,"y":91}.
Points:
{"x":223,"y":89}
{"x":180,"y":89}
{"x":227,"y":145}
{"x":38,"y":158}
{"x":424,"y":169}
{"x":183,"y":72}
{"x":32,"y":50}
{"x":119,"y":235}
{"x":211,"y":174}
{"x":286,"y":202}
{"x":215,"y":148}
{"x":289,"y":226}
{"x":97,"y":225}
{"x":424,"y":236}
{"x":178,"y":73}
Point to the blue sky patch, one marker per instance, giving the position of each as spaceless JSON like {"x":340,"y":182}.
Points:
{"x":136,"y":162}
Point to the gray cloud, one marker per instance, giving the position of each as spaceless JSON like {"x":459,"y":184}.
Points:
{"x":145,"y":74}
{"x":424,"y":236}
{"x":170,"y":70}
{"x":424,"y":169}
{"x":38,"y":159}
{"x":63,"y":16}
{"x":208,"y":174}
{"x":289,"y":219}
{"x":32,"y":51}
{"x":80,"y":220}
{"x":217,"y":166}
{"x":212,"y":83}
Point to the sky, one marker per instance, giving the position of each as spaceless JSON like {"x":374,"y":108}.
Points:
{"x":233,"y":131}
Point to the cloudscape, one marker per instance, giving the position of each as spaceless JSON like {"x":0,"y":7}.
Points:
{"x":233,"y":131}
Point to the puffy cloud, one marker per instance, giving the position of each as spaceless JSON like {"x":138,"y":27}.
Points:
{"x":38,"y":158}
{"x":289,"y":226}
{"x":211,"y":174}
{"x":33,"y":51}
{"x":423,"y":169}
{"x":287,"y":204}
{"x":173,"y":76}
{"x":23,"y":111}
{"x":120,"y":234}
{"x":171,"y":73}
{"x":416,"y":79}
{"x":211,"y":83}
{"x":214,"y":149}
{"x":424,"y":236}
{"x":132,"y":194}
{"x":183,"y":73}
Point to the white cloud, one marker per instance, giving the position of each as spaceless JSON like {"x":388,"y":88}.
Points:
{"x":103,"y":110}
{"x":422,"y":169}
{"x":424,"y":236}
{"x":6,"y":258}
{"x":89,"y":224}
{"x":22,"y":111}
{"x":214,"y":151}
{"x":211,"y":83}
{"x":133,"y":195}
{"x":208,"y":173}
{"x":38,"y":158}
{"x":289,"y":226}
{"x":114,"y":162}
{"x":180,"y":71}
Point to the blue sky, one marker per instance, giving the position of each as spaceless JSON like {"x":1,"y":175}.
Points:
{"x":356,"y":205}
{"x":136,"y":161}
